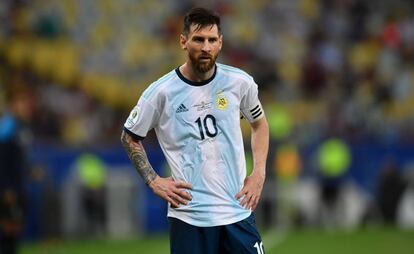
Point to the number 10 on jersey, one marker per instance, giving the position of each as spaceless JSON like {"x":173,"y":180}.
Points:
{"x":207,"y":126}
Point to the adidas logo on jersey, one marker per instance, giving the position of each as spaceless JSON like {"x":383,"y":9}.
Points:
{"x":181,"y":109}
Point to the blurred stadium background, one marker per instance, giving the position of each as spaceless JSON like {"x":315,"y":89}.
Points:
{"x":336,"y":79}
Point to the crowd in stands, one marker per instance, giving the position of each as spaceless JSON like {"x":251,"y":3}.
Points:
{"x":341,"y":68}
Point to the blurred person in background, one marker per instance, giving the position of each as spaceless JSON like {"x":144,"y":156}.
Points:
{"x":92,"y":173}
{"x":391,"y":187}
{"x":14,"y":112}
{"x":195,"y":111}
{"x":334,"y":159}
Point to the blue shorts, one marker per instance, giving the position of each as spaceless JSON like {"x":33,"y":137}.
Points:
{"x":239,"y":238}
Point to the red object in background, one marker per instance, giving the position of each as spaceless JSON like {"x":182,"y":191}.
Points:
{"x":391,"y":35}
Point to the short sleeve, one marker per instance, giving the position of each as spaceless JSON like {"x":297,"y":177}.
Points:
{"x":250,"y":105}
{"x":142,"y":119}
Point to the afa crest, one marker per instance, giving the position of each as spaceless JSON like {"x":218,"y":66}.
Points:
{"x":221,"y":101}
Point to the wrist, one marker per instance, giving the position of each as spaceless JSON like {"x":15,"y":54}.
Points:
{"x":259,"y":172}
{"x":151,"y":181}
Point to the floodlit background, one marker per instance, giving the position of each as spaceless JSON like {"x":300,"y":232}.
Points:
{"x":336,"y":79}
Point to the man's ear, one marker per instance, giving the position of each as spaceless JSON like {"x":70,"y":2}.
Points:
{"x":183,"y":41}
{"x":220,"y":41}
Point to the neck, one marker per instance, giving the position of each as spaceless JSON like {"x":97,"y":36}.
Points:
{"x":192,"y":74}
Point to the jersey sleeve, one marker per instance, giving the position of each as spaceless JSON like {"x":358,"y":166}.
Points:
{"x":250,"y":105}
{"x":142,"y":119}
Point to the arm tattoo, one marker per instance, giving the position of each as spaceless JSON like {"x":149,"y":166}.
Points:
{"x":138,"y":157}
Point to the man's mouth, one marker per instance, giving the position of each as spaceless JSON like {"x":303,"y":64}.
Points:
{"x":205,"y":58}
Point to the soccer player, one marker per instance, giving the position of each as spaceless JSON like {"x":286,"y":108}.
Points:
{"x":195,"y":112}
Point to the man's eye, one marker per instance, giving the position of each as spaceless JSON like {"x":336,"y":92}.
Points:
{"x":212,"y":40}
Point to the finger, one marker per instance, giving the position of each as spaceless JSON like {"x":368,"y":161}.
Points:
{"x":254,"y":206}
{"x":183,"y":185}
{"x":184,"y":195}
{"x":257,"y":201}
{"x":178,"y":199}
{"x":240,"y":194}
{"x":245,"y":201}
{"x":253,"y":203}
{"x":248,"y":204}
{"x":173,"y":203}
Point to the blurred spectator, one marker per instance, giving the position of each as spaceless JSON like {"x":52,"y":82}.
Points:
{"x":405,"y":211}
{"x":92,"y":174}
{"x":390,"y":190}
{"x":334,"y":159}
{"x":13,"y":166}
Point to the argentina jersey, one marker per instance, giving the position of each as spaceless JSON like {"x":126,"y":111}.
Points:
{"x":198,"y":127}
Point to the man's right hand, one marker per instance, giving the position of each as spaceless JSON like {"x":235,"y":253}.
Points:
{"x":173,"y":192}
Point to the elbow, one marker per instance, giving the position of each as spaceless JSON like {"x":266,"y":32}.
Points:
{"x":264,"y":125}
{"x":123,"y":137}
{"x":261,"y":125}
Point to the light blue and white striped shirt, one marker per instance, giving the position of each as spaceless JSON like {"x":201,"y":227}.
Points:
{"x":198,"y":127}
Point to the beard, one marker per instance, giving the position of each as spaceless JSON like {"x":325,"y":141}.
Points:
{"x":200,"y":66}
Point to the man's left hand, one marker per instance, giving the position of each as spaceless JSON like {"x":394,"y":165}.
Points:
{"x":251,"y":191}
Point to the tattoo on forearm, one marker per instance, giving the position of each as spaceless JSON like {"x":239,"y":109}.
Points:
{"x":138,"y":157}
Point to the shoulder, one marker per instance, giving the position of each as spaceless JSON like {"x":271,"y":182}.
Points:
{"x":234,"y":72}
{"x":159,"y":85}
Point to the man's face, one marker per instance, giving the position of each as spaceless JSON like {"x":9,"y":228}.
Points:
{"x":202,"y":46}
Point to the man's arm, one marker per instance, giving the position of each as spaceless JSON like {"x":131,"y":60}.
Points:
{"x":168,"y":189}
{"x":138,"y":157}
{"x":253,"y":184}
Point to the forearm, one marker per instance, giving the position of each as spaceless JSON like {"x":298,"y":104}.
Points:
{"x":260,"y":145}
{"x":138,"y":157}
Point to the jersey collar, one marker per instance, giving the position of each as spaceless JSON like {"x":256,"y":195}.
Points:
{"x":194,"y":83}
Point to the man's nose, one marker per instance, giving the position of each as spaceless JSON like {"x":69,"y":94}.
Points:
{"x":206,"y":46}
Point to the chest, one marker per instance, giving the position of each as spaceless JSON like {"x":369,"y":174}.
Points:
{"x":203,"y":113}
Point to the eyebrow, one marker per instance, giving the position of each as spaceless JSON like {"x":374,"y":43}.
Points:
{"x":202,"y":37}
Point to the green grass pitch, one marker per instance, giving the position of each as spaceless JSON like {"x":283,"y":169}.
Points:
{"x":378,"y":241}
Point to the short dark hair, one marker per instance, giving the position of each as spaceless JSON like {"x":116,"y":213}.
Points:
{"x":201,"y":17}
